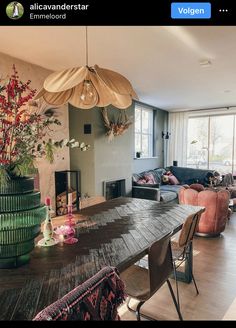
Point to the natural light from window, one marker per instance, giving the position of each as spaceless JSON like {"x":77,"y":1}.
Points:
{"x":211,"y":143}
{"x":143,"y":131}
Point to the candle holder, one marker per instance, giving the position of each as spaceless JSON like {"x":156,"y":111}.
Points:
{"x":67,"y":230}
{"x":70,"y":217}
{"x":66,"y":234}
{"x":48,"y":239}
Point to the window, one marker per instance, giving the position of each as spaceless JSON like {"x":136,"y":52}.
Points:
{"x":211,"y":143}
{"x":197,"y":150}
{"x":144,"y":130}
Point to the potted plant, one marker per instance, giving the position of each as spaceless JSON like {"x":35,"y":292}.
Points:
{"x":24,"y":137}
{"x":138,"y":154}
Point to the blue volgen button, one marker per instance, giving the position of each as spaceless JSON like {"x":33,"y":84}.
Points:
{"x":190,"y":10}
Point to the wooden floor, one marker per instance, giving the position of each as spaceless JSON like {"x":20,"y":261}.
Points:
{"x":215,"y":274}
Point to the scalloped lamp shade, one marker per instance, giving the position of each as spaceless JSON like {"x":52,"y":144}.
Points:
{"x":86,"y":87}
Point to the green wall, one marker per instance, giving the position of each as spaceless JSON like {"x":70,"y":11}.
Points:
{"x":109,"y":160}
{"x":160,"y":124}
{"x":83,"y":161}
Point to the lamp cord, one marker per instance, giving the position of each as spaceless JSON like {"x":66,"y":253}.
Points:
{"x":86,"y":38}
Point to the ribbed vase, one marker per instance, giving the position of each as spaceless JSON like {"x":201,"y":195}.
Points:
{"x":21,"y":215}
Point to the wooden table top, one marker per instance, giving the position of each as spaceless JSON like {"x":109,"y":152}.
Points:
{"x":116,"y":232}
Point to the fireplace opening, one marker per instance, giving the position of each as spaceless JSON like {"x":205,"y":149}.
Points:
{"x":67,"y":182}
{"x":114,"y":188}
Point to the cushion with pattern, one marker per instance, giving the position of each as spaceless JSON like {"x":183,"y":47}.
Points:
{"x":96,"y":299}
{"x":136,"y":177}
{"x":159,"y":172}
{"x":150,"y":178}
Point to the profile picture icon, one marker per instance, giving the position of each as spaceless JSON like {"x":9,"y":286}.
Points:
{"x":14,"y":10}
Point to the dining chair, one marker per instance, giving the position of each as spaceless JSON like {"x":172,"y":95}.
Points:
{"x":142,"y":283}
{"x":182,"y":248}
{"x":97,"y":299}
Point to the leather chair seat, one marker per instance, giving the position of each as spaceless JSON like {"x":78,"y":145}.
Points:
{"x":136,"y":282}
{"x":177,"y":251}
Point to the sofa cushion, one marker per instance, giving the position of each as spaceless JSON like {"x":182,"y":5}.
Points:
{"x":150,"y":178}
{"x":148,"y":175}
{"x":165,"y":179}
{"x":159,"y":172}
{"x":197,"y":186}
{"x":148,"y":185}
{"x":168,"y":196}
{"x":187,"y":175}
{"x":136,"y":177}
{"x":141,"y":181}
{"x":173,"y":180}
{"x":173,"y":188}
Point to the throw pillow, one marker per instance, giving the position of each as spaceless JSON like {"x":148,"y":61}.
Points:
{"x":217,"y":179}
{"x":136,"y":177}
{"x":149,"y":178}
{"x":165,"y":179}
{"x":158,"y":173}
{"x":173,"y":180}
{"x":141,"y":181}
{"x":208,"y":178}
{"x":185,"y":186}
{"x":197,"y":186}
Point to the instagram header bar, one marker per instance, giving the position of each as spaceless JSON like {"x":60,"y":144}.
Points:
{"x":122,"y":12}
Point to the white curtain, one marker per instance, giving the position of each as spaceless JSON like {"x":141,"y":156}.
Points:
{"x":176,"y":145}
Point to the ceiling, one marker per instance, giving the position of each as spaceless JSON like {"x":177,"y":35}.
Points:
{"x":162,"y":63}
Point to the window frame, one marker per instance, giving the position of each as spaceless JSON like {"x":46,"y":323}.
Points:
{"x":209,"y":117}
{"x":149,"y":134}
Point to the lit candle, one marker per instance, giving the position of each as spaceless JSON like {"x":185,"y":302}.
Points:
{"x":70,"y":199}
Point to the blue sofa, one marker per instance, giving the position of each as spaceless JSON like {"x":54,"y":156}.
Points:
{"x":167,"y":192}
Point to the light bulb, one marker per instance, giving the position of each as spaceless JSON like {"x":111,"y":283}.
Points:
{"x":88,"y":95}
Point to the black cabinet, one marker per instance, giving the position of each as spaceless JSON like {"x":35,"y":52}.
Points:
{"x":67,"y":182}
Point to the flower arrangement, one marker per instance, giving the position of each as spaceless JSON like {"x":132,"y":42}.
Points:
{"x":24,"y":130}
{"x":115,"y":127}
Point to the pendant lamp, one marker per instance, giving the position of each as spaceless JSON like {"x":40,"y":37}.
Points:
{"x":88,"y":86}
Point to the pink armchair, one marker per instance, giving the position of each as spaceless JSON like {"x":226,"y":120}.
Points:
{"x":212,"y":222}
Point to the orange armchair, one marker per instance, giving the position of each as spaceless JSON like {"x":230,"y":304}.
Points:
{"x":212,"y":222}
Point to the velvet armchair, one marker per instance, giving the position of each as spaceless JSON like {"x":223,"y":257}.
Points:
{"x":216,"y":203}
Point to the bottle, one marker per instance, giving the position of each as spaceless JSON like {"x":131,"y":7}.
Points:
{"x":48,"y":239}
{"x":48,"y":228}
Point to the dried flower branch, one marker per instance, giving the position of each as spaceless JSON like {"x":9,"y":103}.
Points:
{"x":24,"y":130}
{"x":118,"y":127}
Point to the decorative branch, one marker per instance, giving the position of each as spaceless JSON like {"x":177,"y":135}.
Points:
{"x":25,"y":127}
{"x":116,"y":127}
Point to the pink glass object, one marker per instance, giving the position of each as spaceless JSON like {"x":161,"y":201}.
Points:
{"x":67,"y":233}
{"x":70,"y":236}
{"x":69,"y":223}
{"x":69,"y":216}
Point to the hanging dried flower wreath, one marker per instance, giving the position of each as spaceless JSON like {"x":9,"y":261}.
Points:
{"x":116,"y":127}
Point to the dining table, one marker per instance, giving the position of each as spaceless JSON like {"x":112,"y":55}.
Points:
{"x":116,"y":232}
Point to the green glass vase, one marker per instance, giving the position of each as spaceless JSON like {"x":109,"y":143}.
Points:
{"x":21,"y":215}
